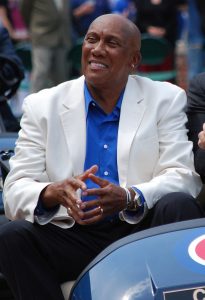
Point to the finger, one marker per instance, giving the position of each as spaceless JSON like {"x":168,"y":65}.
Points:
{"x":201,"y":137}
{"x":204,"y":126}
{"x":76,"y":183}
{"x":92,"y":213}
{"x":90,"y":221}
{"x":71,"y":201}
{"x":91,"y":204}
{"x":93,"y":192}
{"x":92,"y":216}
{"x":201,"y":144}
{"x":201,"y":133}
{"x":91,"y":170}
{"x":75,"y":212}
{"x":70,"y":195}
{"x":99,"y":181}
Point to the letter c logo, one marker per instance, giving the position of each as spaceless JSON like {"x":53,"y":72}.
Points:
{"x":197,"y":292}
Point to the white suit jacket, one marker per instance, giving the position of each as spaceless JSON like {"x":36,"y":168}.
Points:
{"x":153,"y":152}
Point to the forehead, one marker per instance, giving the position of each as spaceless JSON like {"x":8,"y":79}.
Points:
{"x":109,"y":27}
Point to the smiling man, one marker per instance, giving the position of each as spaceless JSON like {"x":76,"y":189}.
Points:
{"x":97,"y":158}
{"x":110,"y":54}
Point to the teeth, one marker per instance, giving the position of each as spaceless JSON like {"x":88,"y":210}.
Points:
{"x":97,"y":65}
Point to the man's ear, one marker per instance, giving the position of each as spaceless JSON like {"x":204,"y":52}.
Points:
{"x":136,"y":60}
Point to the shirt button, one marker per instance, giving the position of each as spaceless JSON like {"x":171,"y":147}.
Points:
{"x":106,"y":173}
{"x":93,"y":104}
{"x":105,"y":146}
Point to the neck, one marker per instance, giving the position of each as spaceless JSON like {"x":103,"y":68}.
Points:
{"x":107,"y":99}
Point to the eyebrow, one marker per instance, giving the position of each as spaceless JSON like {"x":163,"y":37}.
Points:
{"x":107,"y":36}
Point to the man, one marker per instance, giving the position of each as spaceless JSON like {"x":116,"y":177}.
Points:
{"x":11,"y":74}
{"x":196,"y":120}
{"x":195,"y":37}
{"x":84,"y":12}
{"x":200,"y":154}
{"x":13,"y":21}
{"x":124,"y":135}
{"x":201,"y":7}
{"x":49,"y":27}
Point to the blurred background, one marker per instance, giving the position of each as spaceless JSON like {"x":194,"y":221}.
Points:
{"x":48,"y":34}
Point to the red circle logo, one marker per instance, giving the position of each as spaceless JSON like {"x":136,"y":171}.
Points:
{"x":196,"y":250}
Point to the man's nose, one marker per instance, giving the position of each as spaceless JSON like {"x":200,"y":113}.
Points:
{"x":99,"y":48}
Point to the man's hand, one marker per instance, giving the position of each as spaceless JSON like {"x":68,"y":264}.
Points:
{"x":156,"y":31}
{"x":201,"y":141}
{"x":84,"y":9}
{"x":110,"y":199}
{"x":64,"y":193}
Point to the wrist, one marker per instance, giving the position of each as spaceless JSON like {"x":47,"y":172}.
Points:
{"x":134,"y":202}
{"x":47,"y":199}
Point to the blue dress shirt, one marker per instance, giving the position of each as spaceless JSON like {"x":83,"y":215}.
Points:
{"x":101,"y":145}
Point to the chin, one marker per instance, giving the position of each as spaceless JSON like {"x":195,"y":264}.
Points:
{"x":95,"y":80}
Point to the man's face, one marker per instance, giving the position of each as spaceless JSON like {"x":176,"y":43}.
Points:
{"x":107,"y":54}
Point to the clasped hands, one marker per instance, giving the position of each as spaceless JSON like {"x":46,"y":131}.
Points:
{"x":110,"y":198}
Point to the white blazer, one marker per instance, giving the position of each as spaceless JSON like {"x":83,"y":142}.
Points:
{"x":153,"y":152}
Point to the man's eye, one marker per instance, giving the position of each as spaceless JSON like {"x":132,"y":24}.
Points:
{"x":91,"y":39}
{"x":113,"y":43}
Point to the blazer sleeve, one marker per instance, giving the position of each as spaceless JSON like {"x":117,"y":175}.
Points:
{"x":28,"y":171}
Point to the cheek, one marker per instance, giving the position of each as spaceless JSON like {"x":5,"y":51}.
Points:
{"x":86,"y":50}
{"x":122,"y":65}
{"x":84,"y":60}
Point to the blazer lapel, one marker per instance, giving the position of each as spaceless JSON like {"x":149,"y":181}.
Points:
{"x":73,"y":119}
{"x":132,"y":112}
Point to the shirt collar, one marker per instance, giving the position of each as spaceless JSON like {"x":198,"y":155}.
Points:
{"x":89,"y":99}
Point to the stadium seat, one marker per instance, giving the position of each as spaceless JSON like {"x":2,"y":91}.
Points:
{"x":155,"y":51}
{"x":74,"y":58}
